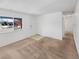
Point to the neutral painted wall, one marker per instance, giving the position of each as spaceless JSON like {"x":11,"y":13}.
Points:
{"x":77,"y":26}
{"x":27,"y":30}
{"x":46,"y":25}
{"x":50,"y":25}
{"x":34,"y":24}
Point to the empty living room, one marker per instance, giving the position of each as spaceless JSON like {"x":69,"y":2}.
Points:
{"x":39,"y":29}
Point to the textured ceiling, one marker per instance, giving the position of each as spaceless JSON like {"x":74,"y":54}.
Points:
{"x":38,"y":6}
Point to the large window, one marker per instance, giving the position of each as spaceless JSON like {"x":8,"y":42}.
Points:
{"x":9,"y":24}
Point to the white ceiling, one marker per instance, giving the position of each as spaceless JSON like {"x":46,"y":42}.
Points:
{"x":38,"y":6}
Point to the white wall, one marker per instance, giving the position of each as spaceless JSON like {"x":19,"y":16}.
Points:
{"x":77,"y":27}
{"x":34,"y":24}
{"x":27,"y":30}
{"x":46,"y":25}
{"x":50,"y":25}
